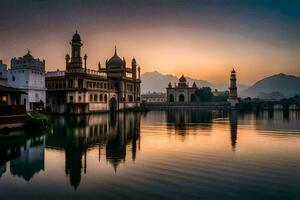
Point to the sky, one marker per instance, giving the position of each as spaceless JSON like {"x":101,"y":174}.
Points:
{"x":202,"y":39}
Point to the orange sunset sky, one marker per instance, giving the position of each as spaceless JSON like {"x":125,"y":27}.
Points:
{"x":201,"y":39}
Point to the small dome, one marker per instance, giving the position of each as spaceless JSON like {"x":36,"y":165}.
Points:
{"x":28,"y":56}
{"x":76,"y":37}
{"x":182,"y":79}
{"x":115,"y":61}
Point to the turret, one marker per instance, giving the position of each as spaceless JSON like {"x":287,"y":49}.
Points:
{"x":67,"y":61}
{"x":124,"y":61}
{"x":133,"y":66}
{"x":85,"y":59}
{"x":76,"y":60}
{"x":139,"y":72}
{"x":99,"y":66}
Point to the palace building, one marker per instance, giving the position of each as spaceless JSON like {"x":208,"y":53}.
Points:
{"x":28,"y":75}
{"x":79,"y":89}
{"x":181,"y":92}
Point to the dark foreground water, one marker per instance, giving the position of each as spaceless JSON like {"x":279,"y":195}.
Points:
{"x":158,"y":155}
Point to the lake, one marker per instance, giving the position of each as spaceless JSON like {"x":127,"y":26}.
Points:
{"x":178,"y":154}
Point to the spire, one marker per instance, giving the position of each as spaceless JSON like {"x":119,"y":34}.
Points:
{"x":194,"y":85}
{"x":133,"y":62}
{"x":28,"y":51}
{"x":115,"y":50}
{"x":85,"y":58}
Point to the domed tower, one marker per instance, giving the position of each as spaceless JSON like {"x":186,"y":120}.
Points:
{"x":233,"y":97}
{"x":115,"y":62}
{"x":182,"y":82}
{"x":116,"y":66}
{"x":76,"y":60}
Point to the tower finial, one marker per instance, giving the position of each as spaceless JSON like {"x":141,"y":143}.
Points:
{"x":115,"y":50}
{"x":28,"y":51}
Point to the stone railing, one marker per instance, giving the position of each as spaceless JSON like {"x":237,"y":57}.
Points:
{"x":55,"y":73}
{"x":87,"y":71}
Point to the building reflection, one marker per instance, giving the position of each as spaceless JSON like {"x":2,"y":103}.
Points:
{"x":77,"y":135}
{"x":183,"y":120}
{"x":26,"y":156}
{"x":277,"y":119}
{"x":233,"y":118}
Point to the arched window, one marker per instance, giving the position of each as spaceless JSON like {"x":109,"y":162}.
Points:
{"x":105,"y":98}
{"x":101,"y":97}
{"x":171,"y":98}
{"x":91,"y":97}
{"x":70,"y":83}
{"x":79,"y":98}
{"x":95,"y":97}
{"x":13,"y":78}
{"x":130,"y":98}
{"x":181,"y":98}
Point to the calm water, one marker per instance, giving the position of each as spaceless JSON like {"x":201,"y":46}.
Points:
{"x":162,"y":155}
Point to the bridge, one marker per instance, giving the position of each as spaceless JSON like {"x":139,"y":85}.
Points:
{"x":269,"y":105}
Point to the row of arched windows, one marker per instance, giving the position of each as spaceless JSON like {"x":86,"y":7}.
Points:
{"x":100,"y":85}
{"x":57,"y":85}
{"x":181,"y":98}
{"x":98,"y":98}
{"x":131,"y":88}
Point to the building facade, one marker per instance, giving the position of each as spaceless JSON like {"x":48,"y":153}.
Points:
{"x":181,"y":92}
{"x":154,"y":97}
{"x":28,"y":75}
{"x":81,"y":90}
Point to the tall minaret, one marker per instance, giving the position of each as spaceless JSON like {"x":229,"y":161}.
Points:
{"x":233,"y":97}
{"x":76,"y":60}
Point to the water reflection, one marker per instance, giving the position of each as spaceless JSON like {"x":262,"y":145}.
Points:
{"x":233,"y":118}
{"x":184,"y":120}
{"x":272,"y":120}
{"x":76,"y":135}
{"x":26,"y":156}
{"x":210,"y":152}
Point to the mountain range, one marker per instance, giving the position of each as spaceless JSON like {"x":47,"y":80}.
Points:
{"x":273,"y":87}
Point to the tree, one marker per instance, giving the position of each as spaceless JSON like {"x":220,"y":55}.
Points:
{"x":204,"y":94}
{"x":221,"y":96}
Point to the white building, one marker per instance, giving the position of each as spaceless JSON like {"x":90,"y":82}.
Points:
{"x":154,"y":97}
{"x":28,"y":74}
{"x":3,"y":73}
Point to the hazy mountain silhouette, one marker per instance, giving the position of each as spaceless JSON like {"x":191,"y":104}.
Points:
{"x":276,"y":86}
{"x":157,"y":82}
